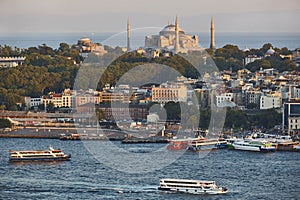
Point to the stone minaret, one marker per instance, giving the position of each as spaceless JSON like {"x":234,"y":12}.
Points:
{"x":176,"y":45}
{"x":212,"y":34}
{"x":128,"y":35}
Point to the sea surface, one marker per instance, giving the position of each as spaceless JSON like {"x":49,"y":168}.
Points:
{"x":242,"y":40}
{"x":247,"y":175}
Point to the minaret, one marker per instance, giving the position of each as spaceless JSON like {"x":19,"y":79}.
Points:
{"x":176,"y":45}
{"x":128,"y":35}
{"x":212,"y":34}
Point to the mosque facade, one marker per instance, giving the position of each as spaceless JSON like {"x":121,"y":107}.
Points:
{"x":167,"y":39}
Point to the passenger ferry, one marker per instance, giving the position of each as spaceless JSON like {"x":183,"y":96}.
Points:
{"x":259,"y":146}
{"x":39,"y":155}
{"x":191,"y":186}
{"x":181,"y":144}
{"x":208,"y":144}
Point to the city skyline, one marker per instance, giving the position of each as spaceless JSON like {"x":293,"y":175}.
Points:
{"x":111,"y":16}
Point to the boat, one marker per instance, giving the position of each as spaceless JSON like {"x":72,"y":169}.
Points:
{"x":207,"y":144}
{"x":296,"y":147}
{"x":39,"y":155}
{"x":73,"y":136}
{"x":191,"y":186}
{"x":253,"y":145}
{"x":180,"y":144}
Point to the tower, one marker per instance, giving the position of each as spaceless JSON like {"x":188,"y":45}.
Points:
{"x":176,"y":45}
{"x":212,"y":34}
{"x":128,"y":35}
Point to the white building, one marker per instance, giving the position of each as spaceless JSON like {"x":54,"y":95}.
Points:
{"x":33,"y":102}
{"x":251,"y":58}
{"x":269,"y":102}
{"x":11,"y":61}
{"x":294,"y":92}
{"x":225,"y":99}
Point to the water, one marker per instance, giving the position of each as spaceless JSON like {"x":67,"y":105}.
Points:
{"x":242,"y":40}
{"x":247,"y":175}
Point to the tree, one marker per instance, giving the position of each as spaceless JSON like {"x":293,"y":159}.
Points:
{"x":5,"y":123}
{"x":2,"y":107}
{"x":64,"y":47}
{"x":99,"y":114}
{"x":285,"y":51}
{"x":252,"y":106}
{"x":50,"y":107}
{"x":258,"y":64}
{"x":266,"y":47}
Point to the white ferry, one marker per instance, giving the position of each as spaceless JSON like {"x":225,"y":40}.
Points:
{"x":39,"y":155}
{"x":259,"y":146}
{"x":191,"y":186}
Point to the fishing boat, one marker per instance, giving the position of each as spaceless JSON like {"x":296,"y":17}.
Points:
{"x":207,"y":144}
{"x":191,"y":186}
{"x":39,"y":155}
{"x":253,"y":145}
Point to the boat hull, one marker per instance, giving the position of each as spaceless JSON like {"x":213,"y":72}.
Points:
{"x":195,"y":190}
{"x":207,"y":147}
{"x":65,"y":158}
{"x":252,"y":148}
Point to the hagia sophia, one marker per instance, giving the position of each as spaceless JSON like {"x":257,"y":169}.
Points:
{"x":173,"y":38}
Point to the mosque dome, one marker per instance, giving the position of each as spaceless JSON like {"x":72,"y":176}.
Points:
{"x":85,"y":39}
{"x":246,"y":49}
{"x":270,"y":51}
{"x":170,"y":29}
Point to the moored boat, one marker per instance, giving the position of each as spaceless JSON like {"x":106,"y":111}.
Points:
{"x":252,"y":145}
{"x":208,"y":144}
{"x":191,"y":186}
{"x":181,"y":144}
{"x":296,"y":147}
{"x":73,"y":136}
{"x":39,"y":155}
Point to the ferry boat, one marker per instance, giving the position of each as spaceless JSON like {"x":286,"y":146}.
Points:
{"x":181,"y":144}
{"x":191,"y":186}
{"x":208,"y":144}
{"x":259,"y":146}
{"x":39,"y":155}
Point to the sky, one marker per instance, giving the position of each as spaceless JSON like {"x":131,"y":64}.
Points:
{"x":17,"y":16}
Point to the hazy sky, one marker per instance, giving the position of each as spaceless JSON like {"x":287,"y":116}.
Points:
{"x":111,"y":15}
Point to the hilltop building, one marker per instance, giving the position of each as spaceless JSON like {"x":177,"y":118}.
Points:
{"x":11,"y":61}
{"x":85,"y":45}
{"x":172,"y":37}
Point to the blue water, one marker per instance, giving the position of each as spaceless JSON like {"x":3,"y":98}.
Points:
{"x":247,"y":175}
{"x":242,"y":40}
